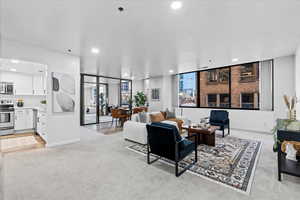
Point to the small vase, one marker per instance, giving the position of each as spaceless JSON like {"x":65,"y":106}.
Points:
{"x":292,"y":115}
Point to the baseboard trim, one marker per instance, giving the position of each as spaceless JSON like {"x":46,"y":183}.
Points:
{"x":262,"y":132}
{"x":63,"y":143}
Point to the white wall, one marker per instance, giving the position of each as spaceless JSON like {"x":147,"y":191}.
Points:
{"x":261,"y":121}
{"x":61,"y":127}
{"x":113,"y":94}
{"x":284,"y":83}
{"x":164,"y":83}
{"x":137,"y":86}
{"x":297,"y":80}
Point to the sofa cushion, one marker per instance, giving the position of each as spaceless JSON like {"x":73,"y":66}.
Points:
{"x":143,"y":117}
{"x":157,"y":117}
{"x":164,"y":114}
{"x":135,"y":118}
{"x":170,"y":114}
{"x":178,"y":121}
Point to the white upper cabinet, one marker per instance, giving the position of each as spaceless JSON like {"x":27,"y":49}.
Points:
{"x":39,"y":85}
{"x":25,"y":84}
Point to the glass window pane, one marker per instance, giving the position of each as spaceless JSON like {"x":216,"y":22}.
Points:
{"x":266,"y":90}
{"x":188,"y":89}
{"x":214,"y":88}
{"x":90,"y":103}
{"x":125,"y":92}
{"x":245,"y":86}
{"x":90,"y":79}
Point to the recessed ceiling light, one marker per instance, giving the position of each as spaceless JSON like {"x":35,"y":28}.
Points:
{"x":171,"y":71}
{"x":132,"y":77}
{"x":95,"y":50}
{"x":13,"y":70}
{"x":125,"y":74}
{"x":176,"y":5}
{"x":235,"y":59}
{"x":15,"y":61}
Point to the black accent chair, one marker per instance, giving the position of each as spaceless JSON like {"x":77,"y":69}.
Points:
{"x":220,"y":118}
{"x":164,"y":141}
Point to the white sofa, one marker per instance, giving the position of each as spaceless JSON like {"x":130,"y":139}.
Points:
{"x":136,"y":131}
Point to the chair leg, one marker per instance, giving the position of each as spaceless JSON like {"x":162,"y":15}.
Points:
{"x":223,"y":132}
{"x":279,"y":176}
{"x":148,"y":158}
{"x":176,"y":169}
{"x":228,"y":129}
{"x":196,"y":154}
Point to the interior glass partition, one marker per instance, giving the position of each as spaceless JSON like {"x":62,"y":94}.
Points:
{"x":89,"y":107}
{"x":99,"y":95}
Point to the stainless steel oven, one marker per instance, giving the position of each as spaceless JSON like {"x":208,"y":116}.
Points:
{"x":6,"y":88}
{"x":6,"y":118}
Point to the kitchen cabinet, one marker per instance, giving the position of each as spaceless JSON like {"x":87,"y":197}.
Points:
{"x":26,"y":84}
{"x":41,"y":125}
{"x":23,"y":85}
{"x":24,"y":119}
{"x":38,"y":82}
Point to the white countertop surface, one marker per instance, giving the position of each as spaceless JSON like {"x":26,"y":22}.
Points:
{"x":34,"y":108}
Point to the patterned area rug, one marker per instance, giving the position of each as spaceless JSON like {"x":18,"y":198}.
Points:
{"x":231,"y":162}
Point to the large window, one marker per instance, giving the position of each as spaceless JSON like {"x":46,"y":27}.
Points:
{"x":188,"y":89}
{"x":213,"y":85}
{"x":244,"y":86}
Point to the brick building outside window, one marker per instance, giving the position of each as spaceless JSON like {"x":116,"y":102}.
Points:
{"x":214,"y":87}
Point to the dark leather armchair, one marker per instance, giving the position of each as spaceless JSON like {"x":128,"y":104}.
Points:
{"x":164,"y":141}
{"x":220,"y":118}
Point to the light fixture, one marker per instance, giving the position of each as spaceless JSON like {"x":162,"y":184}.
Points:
{"x":15,"y":61}
{"x":125,"y":75}
{"x":176,"y":5}
{"x":235,"y":59}
{"x":95,"y":50}
{"x":171,"y":71}
{"x":13,"y":69}
{"x":132,"y":77}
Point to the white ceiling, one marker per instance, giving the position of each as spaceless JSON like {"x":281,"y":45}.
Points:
{"x":24,"y":67}
{"x":149,"y":39}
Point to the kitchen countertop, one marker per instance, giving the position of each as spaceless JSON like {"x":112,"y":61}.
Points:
{"x":34,"y":108}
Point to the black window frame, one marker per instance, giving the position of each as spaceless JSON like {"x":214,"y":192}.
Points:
{"x":229,"y":82}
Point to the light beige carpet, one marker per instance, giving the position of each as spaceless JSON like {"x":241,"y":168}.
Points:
{"x":8,"y":144}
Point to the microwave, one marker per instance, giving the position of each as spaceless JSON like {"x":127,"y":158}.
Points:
{"x":6,"y":88}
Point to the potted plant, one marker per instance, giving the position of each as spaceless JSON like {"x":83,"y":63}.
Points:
{"x":140,"y":99}
{"x":286,"y":123}
{"x":290,"y":104}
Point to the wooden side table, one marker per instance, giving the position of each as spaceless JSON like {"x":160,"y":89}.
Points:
{"x":285,"y":165}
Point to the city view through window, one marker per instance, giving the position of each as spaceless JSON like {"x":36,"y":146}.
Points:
{"x":227,"y":87}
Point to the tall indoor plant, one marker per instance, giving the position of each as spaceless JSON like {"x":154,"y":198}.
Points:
{"x":140,"y":99}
